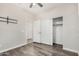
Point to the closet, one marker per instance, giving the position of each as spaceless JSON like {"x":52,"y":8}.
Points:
{"x":48,"y":31}
{"x":58,"y":30}
{"x":42,"y":31}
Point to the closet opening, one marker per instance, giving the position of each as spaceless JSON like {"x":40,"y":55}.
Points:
{"x":58,"y":32}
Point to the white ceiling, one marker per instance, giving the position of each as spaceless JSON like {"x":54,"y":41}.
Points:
{"x":37,"y":10}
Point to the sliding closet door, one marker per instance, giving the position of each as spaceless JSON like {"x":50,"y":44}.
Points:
{"x":46,"y":32}
{"x":36,"y":31}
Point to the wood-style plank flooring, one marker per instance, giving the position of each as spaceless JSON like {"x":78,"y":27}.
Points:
{"x":36,"y":49}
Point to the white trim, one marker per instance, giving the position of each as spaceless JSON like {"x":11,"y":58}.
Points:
{"x":71,"y":50}
{"x":13,"y":47}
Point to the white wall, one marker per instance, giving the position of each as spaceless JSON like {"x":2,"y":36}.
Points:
{"x":70,"y":24}
{"x":29,"y":29}
{"x":78,"y":28}
{"x":12,"y":35}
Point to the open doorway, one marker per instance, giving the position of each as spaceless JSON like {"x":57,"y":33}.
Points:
{"x":58,"y":32}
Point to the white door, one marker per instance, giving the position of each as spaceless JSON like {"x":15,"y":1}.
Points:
{"x":46,"y":32}
{"x":36,"y":31}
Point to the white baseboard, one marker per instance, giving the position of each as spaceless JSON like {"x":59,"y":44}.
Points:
{"x":71,"y":50}
{"x":13,"y":47}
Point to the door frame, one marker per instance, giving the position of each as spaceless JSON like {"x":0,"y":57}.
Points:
{"x":54,"y":19}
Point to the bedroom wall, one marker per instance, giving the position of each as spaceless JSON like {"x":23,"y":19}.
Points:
{"x":14,"y":35}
